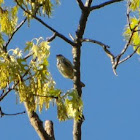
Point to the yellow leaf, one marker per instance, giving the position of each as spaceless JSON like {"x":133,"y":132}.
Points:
{"x":135,"y":4}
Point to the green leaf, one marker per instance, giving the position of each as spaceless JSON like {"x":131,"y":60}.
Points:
{"x":28,"y":46}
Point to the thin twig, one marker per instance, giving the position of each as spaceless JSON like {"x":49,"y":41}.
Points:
{"x":13,"y":114}
{"x":129,"y":56}
{"x":95,"y":42}
{"x":125,"y":47}
{"x":2,"y":92}
{"x":51,"y":38}
{"x":128,"y":15}
{"x":28,"y":55}
{"x":104,"y":46}
{"x":107,"y":51}
{"x":11,"y":37}
{"x":5,"y":94}
{"x":72,"y":38}
{"x":46,"y":25}
{"x":104,"y":4}
{"x":45,"y":96}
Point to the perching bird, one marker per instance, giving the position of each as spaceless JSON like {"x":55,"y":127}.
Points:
{"x":65,"y":67}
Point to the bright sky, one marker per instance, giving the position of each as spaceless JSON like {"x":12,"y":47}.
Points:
{"x":111,"y":103}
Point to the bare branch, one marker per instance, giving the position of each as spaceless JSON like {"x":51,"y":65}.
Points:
{"x":126,"y":46}
{"x":77,"y":130}
{"x":2,"y":92}
{"x":129,"y":56}
{"x":37,"y":124}
{"x":95,"y":42}
{"x":104,"y":46}
{"x":117,"y":60}
{"x":76,"y":51}
{"x":104,"y":4}
{"x":72,"y":38}
{"x":49,"y":128}
{"x":19,"y":113}
{"x":107,"y":51}
{"x":6,"y":114}
{"x":81,"y":5}
{"x":128,"y":15}
{"x":51,"y":38}
{"x":5,"y":94}
{"x":11,"y":37}
{"x":46,"y":25}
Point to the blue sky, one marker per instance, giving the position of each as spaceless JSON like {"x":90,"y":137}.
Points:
{"x":111,"y":103}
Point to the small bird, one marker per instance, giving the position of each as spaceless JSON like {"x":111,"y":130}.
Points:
{"x":65,"y":67}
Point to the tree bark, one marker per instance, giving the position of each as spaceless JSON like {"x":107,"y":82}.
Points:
{"x":37,"y":124}
{"x":49,"y":129}
{"x":77,"y":130}
{"x":76,"y":61}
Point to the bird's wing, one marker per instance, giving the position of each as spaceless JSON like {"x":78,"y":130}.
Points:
{"x":68,"y":64}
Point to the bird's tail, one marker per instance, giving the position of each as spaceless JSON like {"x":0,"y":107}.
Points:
{"x":82,"y":84}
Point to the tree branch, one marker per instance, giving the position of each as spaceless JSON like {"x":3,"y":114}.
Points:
{"x":125,"y":47}
{"x":46,"y":25}
{"x":76,"y":51}
{"x":81,"y":5}
{"x":88,"y":4}
{"x":95,"y":42}
{"x":37,"y":124}
{"x":104,"y":4}
{"x":129,"y":56}
{"x":49,"y":129}
{"x":5,"y":94}
{"x":128,"y":15}
{"x":77,"y":130}
{"x":11,"y":37}
{"x":106,"y":49}
{"x":51,"y":38}
{"x":6,"y":114}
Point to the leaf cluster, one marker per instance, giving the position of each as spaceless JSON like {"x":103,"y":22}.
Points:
{"x":8,"y":20}
{"x":132,"y":28}
{"x":30,"y":78}
{"x":70,"y":106}
{"x":26,"y":71}
{"x":40,"y":7}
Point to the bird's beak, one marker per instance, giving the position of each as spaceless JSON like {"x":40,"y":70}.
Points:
{"x":57,"y":56}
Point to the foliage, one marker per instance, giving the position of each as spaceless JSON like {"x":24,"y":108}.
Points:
{"x":131,"y":33}
{"x":8,"y":20}
{"x":44,"y":7}
{"x":33,"y":82}
{"x":26,"y":71}
{"x":70,"y":106}
{"x":74,"y":105}
{"x":30,"y":78}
